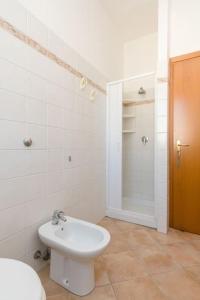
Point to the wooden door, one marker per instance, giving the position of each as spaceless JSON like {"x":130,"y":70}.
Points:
{"x":185,"y":143}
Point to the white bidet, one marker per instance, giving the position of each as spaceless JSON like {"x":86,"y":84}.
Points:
{"x":74,"y":245}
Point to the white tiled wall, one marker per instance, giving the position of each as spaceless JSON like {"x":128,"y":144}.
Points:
{"x":138,"y":159}
{"x":39,"y":99}
{"x":161,"y":117}
{"x":161,"y":150}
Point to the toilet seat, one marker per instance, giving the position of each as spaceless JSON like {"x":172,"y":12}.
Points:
{"x":19,"y":281}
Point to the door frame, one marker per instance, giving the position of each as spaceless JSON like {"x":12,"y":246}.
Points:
{"x":172,"y":61}
{"x":114,"y":205}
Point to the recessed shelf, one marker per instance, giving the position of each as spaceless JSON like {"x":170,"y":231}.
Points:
{"x":129,"y":116}
{"x":138,"y":102}
{"x":127,"y":102}
{"x":129,"y":131}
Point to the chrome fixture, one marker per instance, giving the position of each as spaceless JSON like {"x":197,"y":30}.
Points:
{"x":141,"y":91}
{"x":44,"y":256}
{"x":28,"y":142}
{"x":57,"y":216}
{"x":144,"y":139}
{"x":179,"y":150}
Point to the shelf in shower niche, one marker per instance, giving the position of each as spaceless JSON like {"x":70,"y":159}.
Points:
{"x":129,"y":116}
{"x":127,"y":102}
{"x":138,"y":102}
{"x":128,"y":131}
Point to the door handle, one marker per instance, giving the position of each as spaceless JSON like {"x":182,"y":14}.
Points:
{"x":178,"y":148}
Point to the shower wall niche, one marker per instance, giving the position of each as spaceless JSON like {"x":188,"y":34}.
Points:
{"x":138,"y":146}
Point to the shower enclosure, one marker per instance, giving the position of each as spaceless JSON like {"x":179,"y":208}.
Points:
{"x":130,"y":149}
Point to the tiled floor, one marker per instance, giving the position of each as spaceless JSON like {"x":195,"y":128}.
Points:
{"x":141,"y":264}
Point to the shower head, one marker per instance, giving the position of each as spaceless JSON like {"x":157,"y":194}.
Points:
{"x":141,"y":91}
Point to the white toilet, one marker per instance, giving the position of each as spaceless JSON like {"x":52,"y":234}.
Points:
{"x":74,"y":245}
{"x":18,"y":281}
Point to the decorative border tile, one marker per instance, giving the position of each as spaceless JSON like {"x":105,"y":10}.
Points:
{"x":35,"y":45}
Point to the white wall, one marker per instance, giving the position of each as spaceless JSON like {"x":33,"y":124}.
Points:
{"x":85,"y":26}
{"x":184,"y":27}
{"x":140,"y":55}
{"x":41,"y":100}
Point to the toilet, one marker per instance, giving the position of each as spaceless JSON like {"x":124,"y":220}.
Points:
{"x":74,"y":246}
{"x":18,"y":281}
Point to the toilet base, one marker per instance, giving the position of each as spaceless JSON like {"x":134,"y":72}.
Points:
{"x":77,"y":276}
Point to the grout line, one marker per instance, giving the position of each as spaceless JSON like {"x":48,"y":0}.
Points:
{"x":114,"y":293}
{"x":45,"y":52}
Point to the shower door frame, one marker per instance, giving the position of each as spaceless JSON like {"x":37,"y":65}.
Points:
{"x":160,"y":220}
{"x":114,"y":149}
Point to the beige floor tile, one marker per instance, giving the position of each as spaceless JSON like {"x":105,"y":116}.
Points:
{"x":65,"y":296}
{"x":187,"y":236}
{"x":195,"y":244}
{"x":156,"y":260}
{"x":130,"y":240}
{"x":139,"y":239}
{"x":123,"y":266}
{"x":118,"y":243}
{"x":183,"y":253}
{"x":99,"y":293}
{"x":101,"y":275}
{"x":110,"y":225}
{"x":52,"y":289}
{"x":44,"y":274}
{"x":115,"y":226}
{"x":127,"y":226}
{"x":173,"y":236}
{"x":194,"y":272}
{"x":178,"y":285}
{"x":142,"y":288}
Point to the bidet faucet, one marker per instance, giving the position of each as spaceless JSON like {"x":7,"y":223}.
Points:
{"x":57,"y":216}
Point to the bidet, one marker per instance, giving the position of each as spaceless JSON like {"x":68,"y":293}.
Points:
{"x":74,"y":245}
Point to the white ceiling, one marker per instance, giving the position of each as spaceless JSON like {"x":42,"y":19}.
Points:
{"x":133,"y":18}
